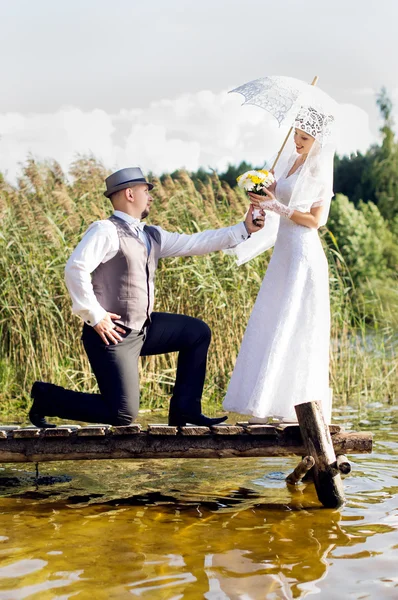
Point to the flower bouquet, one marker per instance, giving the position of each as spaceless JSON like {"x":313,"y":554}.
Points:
{"x":256,"y":182}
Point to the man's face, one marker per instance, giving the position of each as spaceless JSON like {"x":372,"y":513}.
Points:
{"x":142,"y":199}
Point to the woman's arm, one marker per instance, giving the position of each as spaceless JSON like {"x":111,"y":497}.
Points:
{"x":310,"y":219}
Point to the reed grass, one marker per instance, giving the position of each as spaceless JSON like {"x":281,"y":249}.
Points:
{"x":44,"y":216}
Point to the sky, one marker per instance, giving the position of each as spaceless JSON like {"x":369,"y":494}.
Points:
{"x":146,"y":83}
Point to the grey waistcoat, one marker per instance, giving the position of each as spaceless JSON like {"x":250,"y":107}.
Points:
{"x":125,"y":284}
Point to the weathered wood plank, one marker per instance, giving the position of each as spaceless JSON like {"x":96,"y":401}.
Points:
{"x":294,"y":429}
{"x":57,"y":432}
{"x":267,"y":430}
{"x":26,"y":433}
{"x":227,"y":429}
{"x":126,"y":429}
{"x":91,"y":431}
{"x":195,"y":430}
{"x":162,"y":430}
{"x":318,"y":444}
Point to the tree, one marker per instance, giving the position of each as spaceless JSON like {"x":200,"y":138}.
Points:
{"x":358,"y":243}
{"x":373,"y":176}
{"x":386,"y":162}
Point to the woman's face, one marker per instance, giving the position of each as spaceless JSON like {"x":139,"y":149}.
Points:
{"x":303,"y":141}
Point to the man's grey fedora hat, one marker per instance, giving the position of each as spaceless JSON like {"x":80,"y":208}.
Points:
{"x":123,"y":179}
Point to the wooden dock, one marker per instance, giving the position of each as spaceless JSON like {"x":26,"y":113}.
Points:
{"x":322,"y":448}
{"x":18,"y":445}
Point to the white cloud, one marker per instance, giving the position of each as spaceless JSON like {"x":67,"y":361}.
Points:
{"x":355,"y":134}
{"x":201,"y":129}
{"x":364,"y":91}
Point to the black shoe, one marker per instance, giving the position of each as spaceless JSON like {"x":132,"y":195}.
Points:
{"x":181,"y":419}
{"x":36,"y":413}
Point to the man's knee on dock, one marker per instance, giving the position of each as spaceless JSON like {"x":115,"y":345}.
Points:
{"x":125,"y":418}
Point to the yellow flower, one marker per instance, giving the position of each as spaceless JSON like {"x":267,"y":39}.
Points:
{"x":255,"y":179}
{"x":266,"y":173}
{"x":240,"y":177}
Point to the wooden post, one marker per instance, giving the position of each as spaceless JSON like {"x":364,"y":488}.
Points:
{"x":318,"y":443}
{"x":302,"y":468}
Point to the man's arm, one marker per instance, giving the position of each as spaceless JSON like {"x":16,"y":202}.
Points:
{"x":100,"y":241}
{"x":88,"y":254}
{"x":182,"y":244}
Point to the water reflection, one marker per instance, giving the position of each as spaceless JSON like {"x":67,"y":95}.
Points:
{"x":218,"y":530}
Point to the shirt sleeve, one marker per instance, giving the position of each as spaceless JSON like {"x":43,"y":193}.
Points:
{"x":99,"y":240}
{"x":182,"y":244}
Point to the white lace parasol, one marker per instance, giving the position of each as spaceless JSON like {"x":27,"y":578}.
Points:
{"x":283,"y":96}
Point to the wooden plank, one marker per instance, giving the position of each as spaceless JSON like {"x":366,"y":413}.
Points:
{"x":227,"y":429}
{"x":126,"y":429}
{"x":294,"y":428}
{"x":9,"y":427}
{"x":318,"y":443}
{"x":268,"y":430}
{"x":26,"y":433}
{"x":91,"y":431}
{"x":162,"y":430}
{"x":57,"y":432}
{"x":195,"y":430}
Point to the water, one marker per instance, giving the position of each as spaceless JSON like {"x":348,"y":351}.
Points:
{"x":191,"y":529}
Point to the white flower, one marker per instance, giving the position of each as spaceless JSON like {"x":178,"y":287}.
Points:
{"x":248,"y":185}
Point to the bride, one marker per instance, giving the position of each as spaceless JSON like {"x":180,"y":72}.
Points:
{"x":284,"y":357}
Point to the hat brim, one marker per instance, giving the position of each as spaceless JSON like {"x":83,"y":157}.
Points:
{"x":125,"y":185}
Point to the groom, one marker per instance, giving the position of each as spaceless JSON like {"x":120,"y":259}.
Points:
{"x":110,"y":277}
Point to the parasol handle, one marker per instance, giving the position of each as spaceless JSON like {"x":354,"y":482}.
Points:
{"x":314,"y":82}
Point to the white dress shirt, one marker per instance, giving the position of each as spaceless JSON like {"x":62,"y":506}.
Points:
{"x":100,"y":243}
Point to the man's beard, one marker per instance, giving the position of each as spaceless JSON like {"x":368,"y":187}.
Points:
{"x":144,"y":214}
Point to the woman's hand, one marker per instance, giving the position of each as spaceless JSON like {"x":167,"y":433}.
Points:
{"x":261,"y":201}
{"x":269,"y":202}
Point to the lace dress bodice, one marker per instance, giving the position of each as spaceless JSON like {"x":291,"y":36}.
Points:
{"x":284,"y":187}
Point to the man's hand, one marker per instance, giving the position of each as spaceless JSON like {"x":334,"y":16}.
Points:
{"x":108,"y":330}
{"x":253,"y":226}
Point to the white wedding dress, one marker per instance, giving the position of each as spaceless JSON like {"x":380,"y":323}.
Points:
{"x":284,"y":357}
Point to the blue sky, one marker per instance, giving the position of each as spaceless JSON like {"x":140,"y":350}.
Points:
{"x":133,"y":81}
